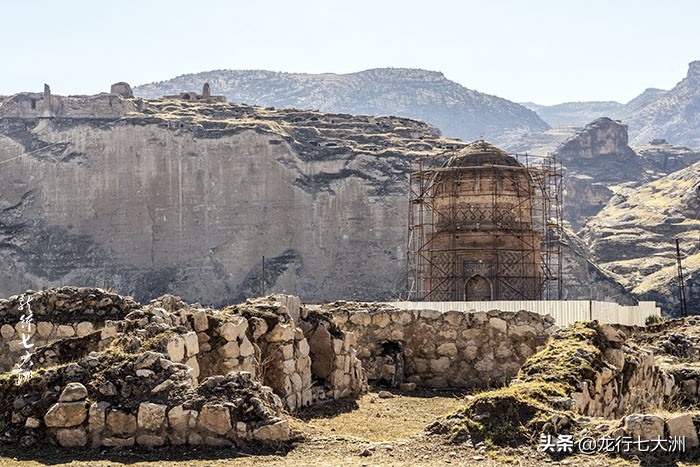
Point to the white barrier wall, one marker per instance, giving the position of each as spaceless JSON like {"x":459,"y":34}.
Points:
{"x":565,"y":312}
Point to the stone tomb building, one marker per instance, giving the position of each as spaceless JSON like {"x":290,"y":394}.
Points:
{"x":478,"y":226}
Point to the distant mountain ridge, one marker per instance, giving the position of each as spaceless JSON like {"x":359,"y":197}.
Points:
{"x":575,"y":113}
{"x":422,"y":94}
{"x":672,"y":115}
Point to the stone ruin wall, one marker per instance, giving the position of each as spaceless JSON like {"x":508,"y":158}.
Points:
{"x":194,"y":375}
{"x":630,"y":381}
{"x":453,"y":349}
{"x":255,"y":348}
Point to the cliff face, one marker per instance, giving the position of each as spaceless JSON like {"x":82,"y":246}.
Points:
{"x":598,"y":162}
{"x":187,"y":198}
{"x":634,"y":237}
{"x":425,"y":95}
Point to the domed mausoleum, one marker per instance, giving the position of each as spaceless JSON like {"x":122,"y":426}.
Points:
{"x":478,"y":220}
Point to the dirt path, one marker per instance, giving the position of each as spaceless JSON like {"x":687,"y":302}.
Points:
{"x":371,"y":431}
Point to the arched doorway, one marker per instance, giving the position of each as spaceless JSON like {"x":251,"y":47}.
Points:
{"x":477,"y":288}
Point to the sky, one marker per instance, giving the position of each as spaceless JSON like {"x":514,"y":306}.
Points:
{"x":543,"y":51}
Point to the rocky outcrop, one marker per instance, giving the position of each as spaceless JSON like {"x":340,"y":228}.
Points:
{"x":425,"y":95}
{"x":664,"y":158}
{"x":598,"y":162}
{"x":633,"y":238}
{"x":596,"y":159}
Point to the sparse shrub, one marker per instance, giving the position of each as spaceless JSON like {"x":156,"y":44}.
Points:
{"x":654,"y":319}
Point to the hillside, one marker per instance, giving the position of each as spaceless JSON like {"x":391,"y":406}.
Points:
{"x":425,"y":95}
{"x":634,"y":235}
{"x":673,"y":115}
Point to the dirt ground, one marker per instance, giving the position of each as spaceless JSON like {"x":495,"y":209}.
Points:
{"x":371,"y":431}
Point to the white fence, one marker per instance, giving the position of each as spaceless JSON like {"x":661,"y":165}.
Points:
{"x":565,"y":312}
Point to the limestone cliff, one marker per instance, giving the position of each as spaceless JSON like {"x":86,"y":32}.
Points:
{"x":633,"y":237}
{"x":598,"y":162}
{"x":183,"y":197}
{"x":422,"y":94}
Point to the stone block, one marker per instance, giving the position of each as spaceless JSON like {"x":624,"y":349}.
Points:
{"x":65,"y":414}
{"x":682,"y":426}
{"x":150,"y":416}
{"x":234,"y":328}
{"x":287,"y":351}
{"x":96,"y":421}
{"x":200,"y":320}
{"x":381,"y":319}
{"x":191,"y":343}
{"x":32,"y":422}
{"x":439,"y":365}
{"x":246,"y":349}
{"x":84,"y":328}
{"x":302,"y":348}
{"x":176,"y":348}
{"x":108,"y":331}
{"x":215,"y":418}
{"x":430,"y":315}
{"x":71,"y":437}
{"x":230,"y":350}
{"x":26,"y":328}
{"x":615,"y":357}
{"x":644,"y":426}
{"x":181,"y":420}
{"x":64,"y":330}
{"x":470,"y":352}
{"x":44,"y":328}
{"x":121,"y":423}
{"x":241,"y":430}
{"x":7,"y":331}
{"x":408,"y":387}
{"x":280,"y":333}
{"x":193,"y":363}
{"x":360,"y":318}
{"x":73,"y":392}
{"x":448,"y":349}
{"x":498,"y":325}
{"x":278,"y":431}
{"x":453,"y":317}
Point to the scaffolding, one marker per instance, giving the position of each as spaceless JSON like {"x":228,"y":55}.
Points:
{"x":451,"y":231}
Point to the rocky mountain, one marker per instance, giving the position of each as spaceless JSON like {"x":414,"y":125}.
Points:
{"x":598,"y":162}
{"x":425,"y":95}
{"x":673,"y":115}
{"x":633,"y":237}
{"x":576,"y":113}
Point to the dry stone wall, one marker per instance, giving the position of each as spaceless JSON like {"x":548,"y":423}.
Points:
{"x":167,"y":372}
{"x":441,"y":349}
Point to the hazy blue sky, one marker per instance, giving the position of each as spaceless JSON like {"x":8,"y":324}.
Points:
{"x":524,"y":50}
